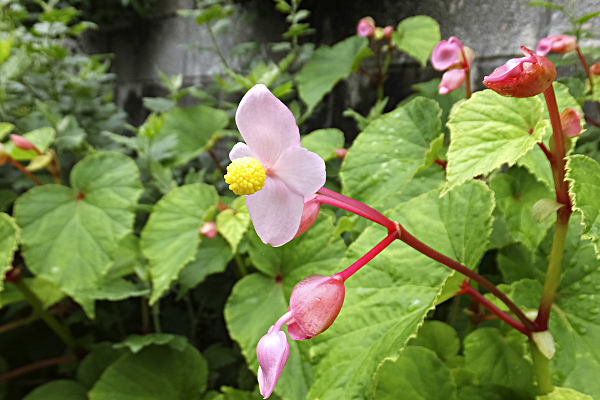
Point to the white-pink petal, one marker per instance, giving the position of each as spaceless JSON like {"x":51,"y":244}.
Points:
{"x":275,"y":211}
{"x":266,"y":124}
{"x":302,"y":171}
{"x":241,"y":150}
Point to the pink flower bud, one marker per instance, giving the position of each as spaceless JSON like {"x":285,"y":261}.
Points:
{"x":522,"y":77}
{"x":556,"y":43}
{"x":595,"y":69}
{"x":315,"y":303}
{"x":21,"y":142}
{"x":341,"y":153}
{"x":451,"y":80}
{"x":272,"y":353}
{"x":387,"y":32}
{"x":209,"y":229}
{"x":365,"y":27}
{"x":444,"y":55}
{"x":309,"y":214}
{"x":570,"y":119}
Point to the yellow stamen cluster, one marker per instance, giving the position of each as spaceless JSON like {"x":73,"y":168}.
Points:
{"x":245,"y":175}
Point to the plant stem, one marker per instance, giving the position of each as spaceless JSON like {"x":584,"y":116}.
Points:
{"x":592,"y":121}
{"x":586,"y":68}
{"x":38,"y":307}
{"x":547,"y":152}
{"x":373,"y":214}
{"x":156,"y":317}
{"x":339,"y":204}
{"x":348,"y":272}
{"x":215,"y":44}
{"x":468,"y":82}
{"x":242,"y":270}
{"x":18,"y":323}
{"x":540,"y":369}
{"x":555,"y":260}
{"x":38,"y":365}
{"x":217,"y":162}
{"x":421,"y":247}
{"x":145,"y":316}
{"x":21,"y":168}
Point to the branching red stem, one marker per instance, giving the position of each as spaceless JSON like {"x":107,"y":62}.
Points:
{"x":38,"y":365}
{"x":361,"y":262}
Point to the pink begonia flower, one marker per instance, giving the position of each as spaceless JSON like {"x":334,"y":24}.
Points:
{"x":445,"y":54}
{"x":21,"y":142}
{"x":387,"y":32}
{"x":556,"y":43}
{"x":570,"y":120}
{"x":309,"y":214}
{"x":271,"y":168}
{"x":451,"y":80}
{"x":522,"y":77}
{"x":209,"y":229}
{"x":272,"y":353}
{"x":595,"y":69}
{"x":315,"y":303}
{"x":365,"y":27}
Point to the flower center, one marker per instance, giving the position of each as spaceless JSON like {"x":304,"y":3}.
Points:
{"x":245,"y":175}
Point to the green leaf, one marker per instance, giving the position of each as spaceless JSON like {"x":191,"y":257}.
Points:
{"x":489,"y":130}
{"x":446,"y":101}
{"x":233,"y":222}
{"x":498,"y":359}
{"x":9,"y":243}
{"x":388,"y":299}
{"x":158,"y":104}
{"x":58,"y":390}
{"x":152,"y":126}
{"x":40,"y":138}
{"x":5,"y":48}
{"x":7,"y":197}
{"x":564,"y":394}
{"x":326,"y":67}
{"x":544,"y":208}
{"x":388,"y":153}
{"x":258,"y":300}
{"x":155,"y":373}
{"x":170,"y":238}
{"x":585,"y":18}
{"x":63,"y":15}
{"x":214,"y":12}
{"x":324,"y":142}
{"x":5,"y":129}
{"x":546,"y":4}
{"x":47,"y":291}
{"x":69,"y":233}
{"x":583,"y":175}
{"x":416,"y":374}
{"x":192,"y":128}
{"x":439,"y":337}
{"x":135,"y":343}
{"x":516,"y":193}
{"x":93,"y":365}
{"x":212,"y":257}
{"x":417,"y":36}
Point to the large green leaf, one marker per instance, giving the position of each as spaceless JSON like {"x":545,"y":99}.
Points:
{"x":259,"y":299}
{"x":387,"y":300}
{"x":516,"y":192}
{"x":136,"y":343}
{"x":69,"y":233}
{"x":499,"y":360}
{"x":583,"y":175}
{"x":417,"y":36}
{"x":388,"y":153}
{"x":9,"y":242}
{"x":192,"y":128}
{"x":155,"y":373}
{"x":439,"y":337}
{"x":170,"y":238}
{"x":324,"y":142}
{"x":326,"y":67}
{"x":489,"y":130}
{"x":58,"y":390}
{"x":417,"y":374}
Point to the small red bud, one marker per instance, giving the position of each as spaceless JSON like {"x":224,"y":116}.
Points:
{"x":209,"y":229}
{"x":21,"y":142}
{"x":341,"y":153}
{"x":595,"y":69}
{"x":570,"y":119}
{"x":387,"y":32}
{"x":309,"y":214}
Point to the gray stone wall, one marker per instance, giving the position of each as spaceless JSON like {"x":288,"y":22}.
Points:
{"x":494,"y":29}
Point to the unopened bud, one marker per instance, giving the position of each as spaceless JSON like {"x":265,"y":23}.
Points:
{"x":365,"y":27}
{"x":570,"y":120}
{"x":451,"y":80}
{"x":341,"y":153}
{"x":387,"y":32}
{"x":595,"y":69}
{"x":557,"y":44}
{"x":21,"y":142}
{"x":209,"y":229}
{"x":309,"y":214}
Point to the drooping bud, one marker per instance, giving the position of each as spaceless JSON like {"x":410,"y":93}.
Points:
{"x":444,"y":55}
{"x":387,"y":32}
{"x":556,"y":43}
{"x":570,"y":119}
{"x":595,"y":69}
{"x":309,"y":214}
{"x":522,"y":77}
{"x":209,"y":229}
{"x":272,"y":353}
{"x":315,"y":303}
{"x":341,"y":153}
{"x":451,"y":80}
{"x":365,"y":27}
{"x":21,"y":142}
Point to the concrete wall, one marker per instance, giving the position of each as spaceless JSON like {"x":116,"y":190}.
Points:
{"x":494,"y":29}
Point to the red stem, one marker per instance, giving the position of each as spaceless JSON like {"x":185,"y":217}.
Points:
{"x":348,"y":272}
{"x":421,"y":247}
{"x":592,"y":121}
{"x":547,"y":152}
{"x":358,"y":208}
{"x":466,"y":288}
{"x":21,"y":168}
{"x":441,"y":162}
{"x":586,"y":68}
{"x":38,"y":365}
